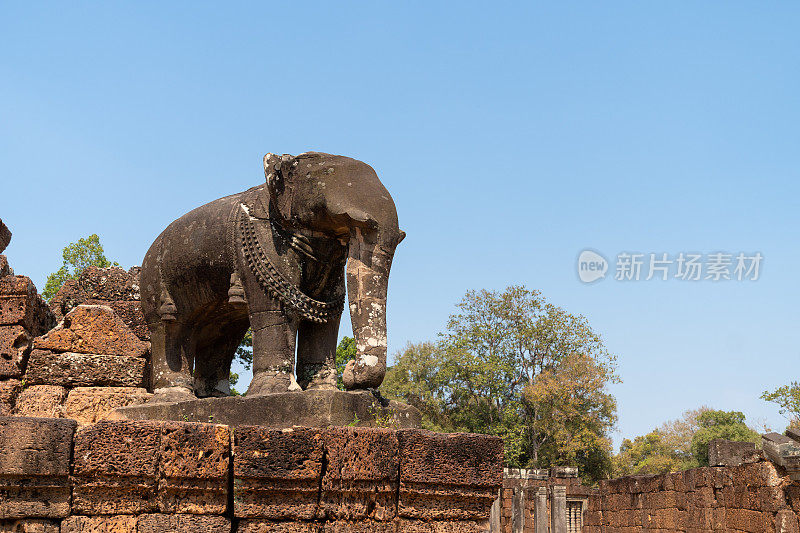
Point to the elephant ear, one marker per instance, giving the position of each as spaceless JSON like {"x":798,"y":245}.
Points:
{"x":278,"y":171}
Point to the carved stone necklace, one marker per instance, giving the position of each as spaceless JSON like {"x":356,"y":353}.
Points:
{"x":275,"y":283}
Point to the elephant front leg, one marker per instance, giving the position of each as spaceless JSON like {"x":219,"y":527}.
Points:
{"x":274,"y":335}
{"x":316,"y":354}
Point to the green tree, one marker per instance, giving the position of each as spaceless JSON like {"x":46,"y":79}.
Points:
{"x":233,"y":379}
{"x":727,"y":425}
{"x":569,"y":415}
{"x":76,"y":256}
{"x":681,"y":444}
{"x":345,"y":351}
{"x":415,"y":379}
{"x":665,"y":449}
{"x":244,"y":352}
{"x":788,"y":399}
{"x":513,"y":365}
{"x":654,"y":453}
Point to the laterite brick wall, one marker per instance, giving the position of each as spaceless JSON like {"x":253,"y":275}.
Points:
{"x":757,"y":497}
{"x":150,"y":477}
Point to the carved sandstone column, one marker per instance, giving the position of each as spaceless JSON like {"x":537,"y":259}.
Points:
{"x":540,"y":511}
{"x":494,"y":516}
{"x":558,"y":509}
{"x":518,"y":510}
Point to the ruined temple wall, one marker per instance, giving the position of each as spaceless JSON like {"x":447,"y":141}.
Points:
{"x":23,"y":316}
{"x":747,"y":490}
{"x":79,"y":357}
{"x":753,"y":497}
{"x":186,"y":477}
{"x":526,"y":490}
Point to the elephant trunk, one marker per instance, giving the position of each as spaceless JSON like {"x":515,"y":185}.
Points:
{"x":370,"y":259}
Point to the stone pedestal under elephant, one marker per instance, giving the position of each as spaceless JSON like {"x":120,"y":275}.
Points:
{"x":273,"y":258}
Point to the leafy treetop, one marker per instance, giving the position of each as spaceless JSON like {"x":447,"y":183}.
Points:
{"x":788,"y":399}
{"x":681,"y":444}
{"x":76,"y":256}
{"x":514,"y":365}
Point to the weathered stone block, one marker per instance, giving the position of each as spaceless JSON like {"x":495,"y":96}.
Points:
{"x":623,"y":518}
{"x":362,"y":475}
{"x":664,"y":499}
{"x":81,"y":370}
{"x":761,"y":474}
{"x":68,"y":297}
{"x":364,"y":526}
{"x":182,"y":523}
{"x":147,"y":467}
{"x":562,"y":472}
{"x":308,"y":408}
{"x":21,"y":305}
{"x":110,"y":284}
{"x":131,"y":313}
{"x":194,"y":468}
{"x":783,"y":451}
{"x":699,"y":518}
{"x":41,"y":400}
{"x":276,"y":472}
{"x":92,"y":329}
{"x":5,"y":236}
{"x":99,"y":524}
{"x":269,"y":526}
{"x":748,"y":520}
{"x":786,"y":522}
{"x":698,"y":478}
{"x":116,"y":468}
{"x":9,"y":389}
{"x":96,"y":285}
{"x":89,"y":405}
{"x":619,"y":501}
{"x":15,"y":345}
{"x":670,"y":519}
{"x":793,"y":496}
{"x":34,"y":467}
{"x":445,"y":526}
{"x":448,"y":476}
{"x":5,"y":268}
{"x":592,"y":518}
{"x":29,"y":526}
{"x":723,"y":452}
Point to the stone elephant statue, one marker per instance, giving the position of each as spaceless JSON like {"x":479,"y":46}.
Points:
{"x":273,"y":258}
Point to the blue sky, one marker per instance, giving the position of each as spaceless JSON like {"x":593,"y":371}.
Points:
{"x":511,"y":135}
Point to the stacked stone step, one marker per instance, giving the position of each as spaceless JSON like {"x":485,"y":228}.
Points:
{"x":181,"y":477}
{"x":95,"y":359}
{"x":23,"y":316}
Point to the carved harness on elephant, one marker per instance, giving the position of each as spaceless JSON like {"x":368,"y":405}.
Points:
{"x":274,"y":282}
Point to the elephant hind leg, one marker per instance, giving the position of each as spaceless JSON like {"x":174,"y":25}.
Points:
{"x":171,"y":362}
